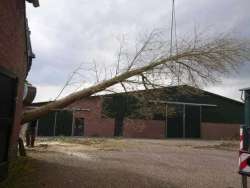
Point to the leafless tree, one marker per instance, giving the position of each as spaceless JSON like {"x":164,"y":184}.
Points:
{"x":198,"y":60}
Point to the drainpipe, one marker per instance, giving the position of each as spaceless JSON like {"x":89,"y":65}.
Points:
{"x":73,"y":123}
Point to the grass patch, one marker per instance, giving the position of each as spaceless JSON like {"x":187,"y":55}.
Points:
{"x":72,"y":140}
{"x":227,"y":146}
{"x":107,"y":144}
{"x":112,"y":145}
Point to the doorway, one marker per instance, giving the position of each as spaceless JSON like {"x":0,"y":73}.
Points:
{"x":174,"y":121}
{"x":79,"y":127}
{"x":193,"y":121}
{"x":183,"y":121}
{"x":118,"y":126}
{"x":56,"y":123}
{"x":63,"y":126}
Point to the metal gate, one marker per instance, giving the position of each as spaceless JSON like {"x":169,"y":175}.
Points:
{"x":7,"y":106}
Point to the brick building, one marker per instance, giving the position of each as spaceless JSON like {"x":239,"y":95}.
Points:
{"x":174,"y":112}
{"x":15,"y":61}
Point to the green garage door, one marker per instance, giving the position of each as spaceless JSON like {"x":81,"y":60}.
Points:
{"x":46,"y":125}
{"x":56,"y":123}
{"x":175,"y":121}
{"x":64,"y":123}
{"x":7,"y":104}
{"x":183,"y":121}
{"x":192,"y":121}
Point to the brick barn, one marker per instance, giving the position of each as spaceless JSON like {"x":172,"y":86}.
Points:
{"x":172,"y":112}
{"x":15,"y":61}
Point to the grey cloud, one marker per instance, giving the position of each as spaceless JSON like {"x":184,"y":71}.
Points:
{"x":66,"y":33}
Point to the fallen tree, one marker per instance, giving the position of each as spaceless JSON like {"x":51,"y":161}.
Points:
{"x":152,"y":65}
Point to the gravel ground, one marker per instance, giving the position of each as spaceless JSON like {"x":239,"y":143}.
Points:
{"x":76,"y":163}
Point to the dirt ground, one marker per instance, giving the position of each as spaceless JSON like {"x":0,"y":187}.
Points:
{"x":98,"y":162}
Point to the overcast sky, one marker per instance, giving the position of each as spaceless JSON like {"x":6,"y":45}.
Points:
{"x":67,"y":33}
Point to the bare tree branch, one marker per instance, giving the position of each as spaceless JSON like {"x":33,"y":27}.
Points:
{"x":202,"y":62}
{"x":68,"y":81}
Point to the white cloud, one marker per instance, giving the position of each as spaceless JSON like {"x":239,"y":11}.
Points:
{"x":229,"y":89}
{"x":46,"y":92}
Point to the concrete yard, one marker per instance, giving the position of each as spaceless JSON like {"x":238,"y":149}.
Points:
{"x":99,"y":162}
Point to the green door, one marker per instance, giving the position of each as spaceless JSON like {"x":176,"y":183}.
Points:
{"x":175,"y":121}
{"x":7,"y":106}
{"x":64,"y":123}
{"x":192,"y":121}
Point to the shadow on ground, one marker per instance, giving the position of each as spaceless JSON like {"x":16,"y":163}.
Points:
{"x":43,"y":174}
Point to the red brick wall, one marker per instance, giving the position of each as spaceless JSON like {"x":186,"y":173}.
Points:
{"x":96,"y":125}
{"x":13,"y":52}
{"x":219,"y":131}
{"x":138,"y":128}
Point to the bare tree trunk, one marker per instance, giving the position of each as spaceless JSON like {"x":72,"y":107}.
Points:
{"x":21,"y":148}
{"x":61,"y":103}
